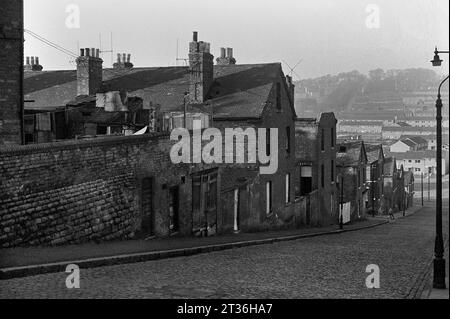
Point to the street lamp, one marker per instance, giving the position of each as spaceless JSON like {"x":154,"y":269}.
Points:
{"x":439,"y":261}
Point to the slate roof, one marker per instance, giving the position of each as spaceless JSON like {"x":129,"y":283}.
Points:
{"x":352,"y":153}
{"x":372,"y":152}
{"x":238,"y":91}
{"x":417,"y":140}
{"x":408,"y":142}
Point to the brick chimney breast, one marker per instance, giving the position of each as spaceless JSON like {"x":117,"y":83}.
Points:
{"x":201,"y":70}
{"x":89,"y":72}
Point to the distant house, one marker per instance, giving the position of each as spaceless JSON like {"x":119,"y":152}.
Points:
{"x":395,"y":132}
{"x":384,"y":117}
{"x":422,"y":121}
{"x":409,"y":144}
{"x":421,"y":162}
{"x":432,"y":141}
{"x":352,"y":177}
{"x":369,"y":130}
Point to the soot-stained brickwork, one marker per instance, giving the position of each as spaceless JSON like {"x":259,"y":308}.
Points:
{"x":11,"y":57}
{"x":101,"y":189}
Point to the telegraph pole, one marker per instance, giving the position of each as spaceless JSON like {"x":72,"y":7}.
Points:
{"x":428,"y":186}
{"x":341,"y":218}
{"x":421,"y":180}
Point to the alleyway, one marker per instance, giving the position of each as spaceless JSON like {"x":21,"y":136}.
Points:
{"x":322,"y":267}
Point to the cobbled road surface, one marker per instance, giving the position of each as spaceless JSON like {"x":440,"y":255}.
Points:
{"x":332,"y":266}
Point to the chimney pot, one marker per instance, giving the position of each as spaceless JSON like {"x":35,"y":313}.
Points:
{"x":124,"y":57}
{"x":88,"y":52}
{"x":222,"y":53}
{"x":32,"y":60}
{"x":119,"y":56}
{"x":37,"y":60}
{"x":28,"y":60}
{"x":81,"y":52}
{"x":195,"y":37}
{"x":97,"y":53}
{"x":128,"y":58}
{"x":229,"y":53}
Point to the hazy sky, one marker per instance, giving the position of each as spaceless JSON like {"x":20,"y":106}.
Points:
{"x":331,"y":36}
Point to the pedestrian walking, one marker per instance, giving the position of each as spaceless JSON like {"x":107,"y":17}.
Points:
{"x":391,"y":213}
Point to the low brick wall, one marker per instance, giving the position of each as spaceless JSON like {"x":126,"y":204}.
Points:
{"x":96,"y":210}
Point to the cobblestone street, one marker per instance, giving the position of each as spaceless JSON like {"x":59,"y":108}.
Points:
{"x":331,"y":266}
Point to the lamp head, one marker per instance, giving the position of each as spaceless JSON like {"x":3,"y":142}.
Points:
{"x":436,"y":60}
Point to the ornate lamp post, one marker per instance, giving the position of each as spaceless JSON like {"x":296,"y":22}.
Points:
{"x":439,"y":261}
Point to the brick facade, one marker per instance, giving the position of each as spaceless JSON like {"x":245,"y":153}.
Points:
{"x":11,"y":71}
{"x":316,"y":149}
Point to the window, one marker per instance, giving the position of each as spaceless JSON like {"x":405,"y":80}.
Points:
{"x":417,"y":161}
{"x":288,"y":140}
{"x":332,"y":137}
{"x":305,"y":180}
{"x":268,"y":142}
{"x":322,"y":175}
{"x":288,"y":188}
{"x":332,"y":170}
{"x":279,"y":96}
{"x":417,"y":169}
{"x":322,"y":140}
{"x":268,"y":198}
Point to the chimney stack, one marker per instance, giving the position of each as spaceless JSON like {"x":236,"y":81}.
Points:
{"x":89,"y":71}
{"x":291,"y":88}
{"x":201,"y":70}
{"x":123,"y":61}
{"x":32,"y":64}
{"x":226,"y":57}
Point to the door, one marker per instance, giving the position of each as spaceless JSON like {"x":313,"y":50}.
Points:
{"x":237,"y":201}
{"x":174,"y":209}
{"x":147,"y":221}
{"x":308,"y":210}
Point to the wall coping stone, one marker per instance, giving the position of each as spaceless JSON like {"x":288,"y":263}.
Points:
{"x":74,"y":144}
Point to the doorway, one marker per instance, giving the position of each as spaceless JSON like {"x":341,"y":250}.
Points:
{"x":174,"y":195}
{"x":237,"y":209}
{"x":147,"y":221}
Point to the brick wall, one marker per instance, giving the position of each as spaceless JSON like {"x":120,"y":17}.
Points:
{"x":78,"y":191}
{"x":11,"y":57}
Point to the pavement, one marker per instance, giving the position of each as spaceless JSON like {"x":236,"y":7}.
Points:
{"x":22,"y":262}
{"x":331,"y":265}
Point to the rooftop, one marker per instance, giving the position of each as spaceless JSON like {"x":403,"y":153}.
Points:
{"x":238,"y":91}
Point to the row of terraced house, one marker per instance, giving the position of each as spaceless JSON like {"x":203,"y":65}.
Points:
{"x":87,"y":156}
